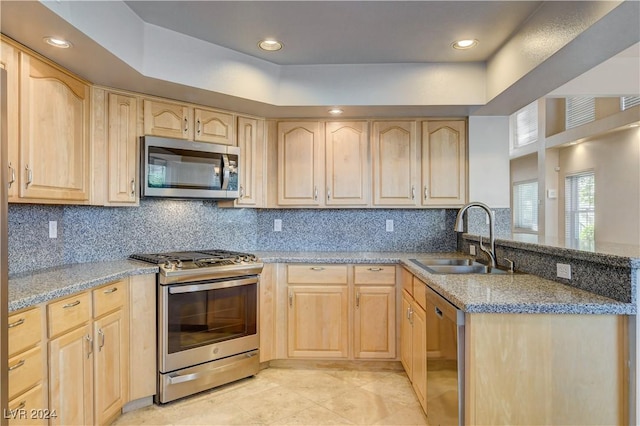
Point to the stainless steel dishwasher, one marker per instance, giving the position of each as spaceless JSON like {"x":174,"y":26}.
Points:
{"x":445,"y":361}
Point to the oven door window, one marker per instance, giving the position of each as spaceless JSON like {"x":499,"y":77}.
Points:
{"x":203,"y":318}
{"x":184,"y":169}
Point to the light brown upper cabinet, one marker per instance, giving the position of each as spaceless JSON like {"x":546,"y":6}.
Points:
{"x":252,"y":168}
{"x":9,"y":62}
{"x":348,"y":171}
{"x":444,"y":171}
{"x":115,"y":125}
{"x":54,"y":133}
{"x":181,"y":121}
{"x":323,"y":164}
{"x":300,"y":163}
{"x":394,"y":163}
{"x":214,"y":126}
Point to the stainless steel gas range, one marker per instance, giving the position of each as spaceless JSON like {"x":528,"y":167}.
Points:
{"x":207,"y":319}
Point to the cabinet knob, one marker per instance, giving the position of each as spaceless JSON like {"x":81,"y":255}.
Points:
{"x":315,"y":193}
{"x":198,"y":127}
{"x":426,"y":192}
{"x":413,"y":192}
{"x":186,"y":125}
{"x":133,"y":187}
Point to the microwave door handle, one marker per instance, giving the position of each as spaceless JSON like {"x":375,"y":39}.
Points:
{"x":226,"y":173}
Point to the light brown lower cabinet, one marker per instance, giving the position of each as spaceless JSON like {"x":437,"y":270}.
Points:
{"x":339,"y":311}
{"x":89,"y":355}
{"x":524,"y":369}
{"x":413,"y":338}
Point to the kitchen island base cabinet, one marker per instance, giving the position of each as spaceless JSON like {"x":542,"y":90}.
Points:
{"x":546,"y":369}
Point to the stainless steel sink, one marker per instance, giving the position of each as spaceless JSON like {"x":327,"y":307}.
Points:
{"x":456,"y":266}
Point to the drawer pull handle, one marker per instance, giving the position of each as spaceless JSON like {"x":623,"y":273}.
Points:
{"x":71,"y":305}
{"x":17,"y":365}
{"x":17,"y":323}
{"x":290,"y":299}
{"x":357,"y":299}
{"x":19,"y":408}
{"x":111,"y":290}
{"x":376,"y":269}
{"x":317,"y":268}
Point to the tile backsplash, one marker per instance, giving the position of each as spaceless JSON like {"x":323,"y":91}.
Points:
{"x":89,"y":233}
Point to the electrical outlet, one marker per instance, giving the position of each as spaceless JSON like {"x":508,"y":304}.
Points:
{"x":472,"y":250}
{"x":53,"y":229}
{"x":277,"y":225}
{"x":563,"y":270}
{"x":389,"y":225}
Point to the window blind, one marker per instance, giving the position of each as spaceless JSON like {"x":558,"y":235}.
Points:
{"x":525,"y":125}
{"x":579,"y":193}
{"x":627,"y":102}
{"x":525,"y":206}
{"x":579,"y":111}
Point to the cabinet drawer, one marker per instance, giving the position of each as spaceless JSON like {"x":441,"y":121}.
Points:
{"x":25,"y":330}
{"x":109,"y":297}
{"x":25,"y":370}
{"x":375,"y":274}
{"x":68,"y":313}
{"x":420,"y":292}
{"x":407,"y":281}
{"x":29,"y":408}
{"x":317,"y":274}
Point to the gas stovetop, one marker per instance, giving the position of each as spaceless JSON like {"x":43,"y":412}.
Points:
{"x":188,"y":266}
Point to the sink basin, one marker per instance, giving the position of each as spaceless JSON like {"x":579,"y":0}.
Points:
{"x":456,"y":266}
{"x":446,"y":262}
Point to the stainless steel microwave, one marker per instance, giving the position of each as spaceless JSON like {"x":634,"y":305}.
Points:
{"x":184,"y":169}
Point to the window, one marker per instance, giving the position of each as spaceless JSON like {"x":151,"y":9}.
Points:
{"x":579,"y":111}
{"x":579,"y":194}
{"x":525,"y":206}
{"x":627,"y":102}
{"x":524,"y":126}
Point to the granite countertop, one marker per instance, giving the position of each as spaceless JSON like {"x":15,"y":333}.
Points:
{"x":477,"y":293}
{"x":31,"y":288}
{"x":517,"y":293}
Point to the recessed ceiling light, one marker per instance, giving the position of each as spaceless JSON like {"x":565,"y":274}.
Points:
{"x":335,"y":111}
{"x":57,"y":42}
{"x":270,"y":45}
{"x":465,"y":44}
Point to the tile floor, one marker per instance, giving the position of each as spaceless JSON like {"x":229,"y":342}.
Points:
{"x":284,"y":396}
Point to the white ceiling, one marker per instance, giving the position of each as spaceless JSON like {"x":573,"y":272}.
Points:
{"x":375,"y":58}
{"x":345,"y":32}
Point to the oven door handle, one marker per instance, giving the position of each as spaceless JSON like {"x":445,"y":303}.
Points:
{"x":177,"y":289}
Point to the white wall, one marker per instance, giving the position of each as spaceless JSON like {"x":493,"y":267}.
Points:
{"x":489,"y":161}
{"x":615,"y":159}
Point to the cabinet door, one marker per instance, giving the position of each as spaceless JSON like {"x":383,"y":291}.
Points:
{"x":167,"y":119}
{"x":54,"y":140}
{"x":122,"y":148}
{"x":142,"y":322}
{"x":406,"y":331}
{"x":318,"y":322}
{"x":375,"y":322}
{"x":214,"y":126}
{"x":394,"y":163}
{"x":419,"y":354}
{"x":348,"y":167}
{"x":444,"y":171}
{"x":111,"y":365}
{"x":9,"y":62}
{"x":251,"y":143}
{"x":71,"y":378}
{"x":300,"y":164}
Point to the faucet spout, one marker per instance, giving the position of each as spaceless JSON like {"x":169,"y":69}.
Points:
{"x":459,"y":227}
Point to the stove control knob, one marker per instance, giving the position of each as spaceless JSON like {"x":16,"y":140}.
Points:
{"x":168,"y":265}
{"x":179,"y":264}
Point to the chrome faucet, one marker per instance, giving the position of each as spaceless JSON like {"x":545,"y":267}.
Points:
{"x":491,"y":252}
